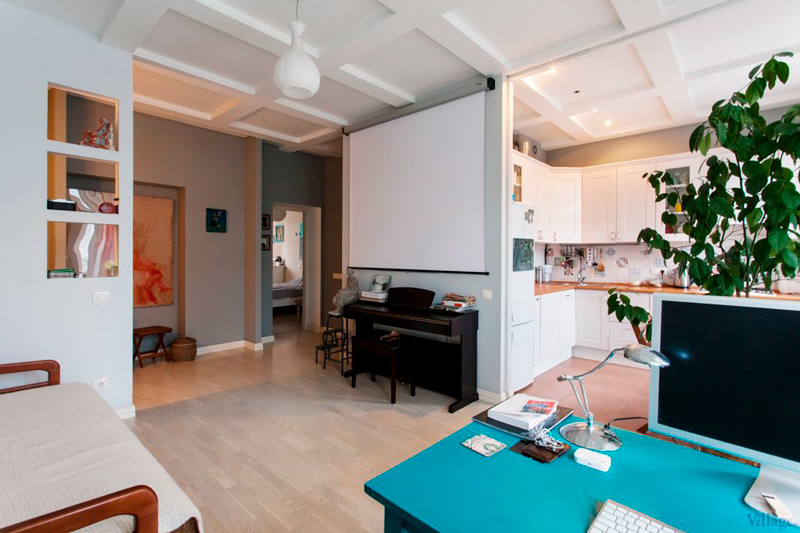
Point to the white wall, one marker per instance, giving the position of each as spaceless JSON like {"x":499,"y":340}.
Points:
{"x":55,"y":319}
{"x":289,"y":249}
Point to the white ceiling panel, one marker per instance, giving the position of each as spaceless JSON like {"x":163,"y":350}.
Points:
{"x":547,"y":133}
{"x":269,"y":120}
{"x":342,"y":101}
{"x":414,"y":63}
{"x":605,"y":73}
{"x":89,"y":15}
{"x":517,"y":29}
{"x":187,"y":41}
{"x":523,"y":112}
{"x":709,"y":41}
{"x":150,"y":84}
{"x":613,"y":118}
{"x":710,"y":89}
{"x":324,"y":26}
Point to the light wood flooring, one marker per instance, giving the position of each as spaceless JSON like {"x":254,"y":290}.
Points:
{"x":269,"y":441}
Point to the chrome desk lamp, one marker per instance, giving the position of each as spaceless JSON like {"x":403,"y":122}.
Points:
{"x":590,"y":434}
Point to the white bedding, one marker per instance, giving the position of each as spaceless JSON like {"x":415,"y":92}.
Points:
{"x":63,"y":445}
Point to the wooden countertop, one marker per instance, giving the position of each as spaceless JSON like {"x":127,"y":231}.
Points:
{"x":559,"y":286}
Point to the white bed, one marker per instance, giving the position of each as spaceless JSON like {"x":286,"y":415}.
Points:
{"x":286,"y":294}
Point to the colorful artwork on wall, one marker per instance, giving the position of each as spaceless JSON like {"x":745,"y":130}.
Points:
{"x":216,"y":220}
{"x":279,"y":233}
{"x":153,"y":247}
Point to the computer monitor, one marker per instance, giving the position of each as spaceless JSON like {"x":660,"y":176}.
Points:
{"x":733,"y":383}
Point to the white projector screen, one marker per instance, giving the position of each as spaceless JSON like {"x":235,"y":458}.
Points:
{"x":417,"y":190}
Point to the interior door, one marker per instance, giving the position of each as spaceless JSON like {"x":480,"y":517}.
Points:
{"x":636,"y":205}
{"x":598,"y":206}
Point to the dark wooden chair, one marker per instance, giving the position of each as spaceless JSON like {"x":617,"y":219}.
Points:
{"x":367,"y":346}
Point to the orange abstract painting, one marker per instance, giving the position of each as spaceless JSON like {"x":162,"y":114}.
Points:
{"x":153,"y":246}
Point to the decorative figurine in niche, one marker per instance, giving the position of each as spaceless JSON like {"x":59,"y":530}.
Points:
{"x":347,"y":295}
{"x":102,"y":137}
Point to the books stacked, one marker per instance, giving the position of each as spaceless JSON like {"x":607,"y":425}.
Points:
{"x":375,"y":296}
{"x":456,"y":302}
{"x":523,"y":411}
{"x":61,"y":205}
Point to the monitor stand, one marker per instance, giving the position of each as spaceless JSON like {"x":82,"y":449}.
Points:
{"x":783,"y":483}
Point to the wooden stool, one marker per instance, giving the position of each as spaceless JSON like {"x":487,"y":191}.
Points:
{"x":161,"y":349}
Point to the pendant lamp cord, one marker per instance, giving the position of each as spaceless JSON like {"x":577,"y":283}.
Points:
{"x":297,"y":10}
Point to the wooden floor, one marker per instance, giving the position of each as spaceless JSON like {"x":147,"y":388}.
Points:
{"x":269,"y":441}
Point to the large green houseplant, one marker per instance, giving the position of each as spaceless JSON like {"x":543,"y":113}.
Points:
{"x":742,"y":217}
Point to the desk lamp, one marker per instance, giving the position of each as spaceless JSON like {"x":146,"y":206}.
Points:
{"x":590,"y":434}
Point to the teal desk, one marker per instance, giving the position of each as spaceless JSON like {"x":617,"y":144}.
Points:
{"x":449,"y":488}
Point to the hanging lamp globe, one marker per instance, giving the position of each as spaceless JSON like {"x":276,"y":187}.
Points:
{"x":296,"y":74}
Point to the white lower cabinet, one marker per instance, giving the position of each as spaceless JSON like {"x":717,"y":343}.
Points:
{"x":557,"y":324}
{"x":520,"y":371}
{"x":591,"y":319}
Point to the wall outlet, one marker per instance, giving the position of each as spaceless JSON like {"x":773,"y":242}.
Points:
{"x":658,"y":262}
{"x":486,"y":294}
{"x":100,"y":383}
{"x":100,"y":297}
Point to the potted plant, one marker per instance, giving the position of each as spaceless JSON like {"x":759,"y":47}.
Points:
{"x":743,"y":217}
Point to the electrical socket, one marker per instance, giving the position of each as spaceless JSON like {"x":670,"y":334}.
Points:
{"x":486,"y":294}
{"x":100,"y":383}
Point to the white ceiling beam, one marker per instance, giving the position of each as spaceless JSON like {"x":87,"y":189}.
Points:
{"x":134,"y":20}
{"x":315,"y":139}
{"x":661,"y":61}
{"x":530,"y":121}
{"x":629,"y":94}
{"x":168,"y":106}
{"x":172,"y":64}
{"x":754,"y":59}
{"x":550,"y":111}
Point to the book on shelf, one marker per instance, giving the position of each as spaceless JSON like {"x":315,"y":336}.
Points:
{"x":61,"y":273}
{"x":523,"y":411}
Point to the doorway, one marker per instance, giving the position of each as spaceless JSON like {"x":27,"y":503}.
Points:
{"x":296,"y":266}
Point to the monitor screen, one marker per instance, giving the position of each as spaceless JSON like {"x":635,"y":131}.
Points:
{"x":734,"y":375}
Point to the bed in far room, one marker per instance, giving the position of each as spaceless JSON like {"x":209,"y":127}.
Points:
{"x":286,"y":294}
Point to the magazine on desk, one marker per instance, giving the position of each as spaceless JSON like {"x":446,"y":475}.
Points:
{"x":550,"y":422}
{"x":523,"y":411}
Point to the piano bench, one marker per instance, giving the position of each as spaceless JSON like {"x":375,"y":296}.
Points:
{"x":369,"y":346}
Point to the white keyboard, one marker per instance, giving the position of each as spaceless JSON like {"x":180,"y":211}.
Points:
{"x":616,"y":518}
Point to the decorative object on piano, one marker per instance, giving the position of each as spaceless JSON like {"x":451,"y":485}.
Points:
{"x":380,"y":283}
{"x":347,"y":295}
{"x":102,"y":137}
{"x":456,"y":300}
{"x":390,"y":337}
{"x":216,"y":220}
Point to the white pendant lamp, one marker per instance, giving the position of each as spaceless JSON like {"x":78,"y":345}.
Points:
{"x":296,"y":74}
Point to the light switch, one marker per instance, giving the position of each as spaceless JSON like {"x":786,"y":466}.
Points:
{"x":486,"y":294}
{"x":100,"y":297}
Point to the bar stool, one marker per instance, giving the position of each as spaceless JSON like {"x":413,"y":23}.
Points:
{"x":334,"y":341}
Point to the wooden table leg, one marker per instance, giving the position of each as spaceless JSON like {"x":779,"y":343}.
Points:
{"x":137,"y":344}
{"x":161,"y":348}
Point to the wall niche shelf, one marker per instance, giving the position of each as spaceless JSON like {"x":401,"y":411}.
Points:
{"x":72,"y":113}
{"x":82,"y":185}
{"x":76,"y":250}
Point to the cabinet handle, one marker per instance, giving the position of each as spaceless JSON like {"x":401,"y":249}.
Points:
{"x":555,"y":236}
{"x":612,"y":236}
{"x":619,"y":236}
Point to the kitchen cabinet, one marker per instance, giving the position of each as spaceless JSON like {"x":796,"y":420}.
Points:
{"x":542,"y":210}
{"x":621,"y":333}
{"x":521,"y":360}
{"x":537,"y":330}
{"x":617,"y":204}
{"x":565,"y":206}
{"x":684,"y":171}
{"x":591,"y":319}
{"x":523,"y":188}
{"x":556,"y":324}
{"x":599,"y":206}
{"x":635,"y":201}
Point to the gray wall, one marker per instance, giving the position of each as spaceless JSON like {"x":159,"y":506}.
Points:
{"x":162,"y":315}
{"x":332,"y":233}
{"x":653,"y":144}
{"x":288,"y":178}
{"x":209,"y":167}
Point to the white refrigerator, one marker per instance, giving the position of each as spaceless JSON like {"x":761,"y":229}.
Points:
{"x":521,"y":287}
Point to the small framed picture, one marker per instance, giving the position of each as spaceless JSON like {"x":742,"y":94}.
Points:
{"x":279,"y":233}
{"x":265,"y":221}
{"x":216,"y":220}
{"x":265,"y":243}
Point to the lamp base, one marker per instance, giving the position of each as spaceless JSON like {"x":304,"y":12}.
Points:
{"x":593,"y":437}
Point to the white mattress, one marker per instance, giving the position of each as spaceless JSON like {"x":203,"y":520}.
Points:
{"x":63,"y":445}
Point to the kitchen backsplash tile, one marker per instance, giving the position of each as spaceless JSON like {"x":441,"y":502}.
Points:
{"x":615,"y":262}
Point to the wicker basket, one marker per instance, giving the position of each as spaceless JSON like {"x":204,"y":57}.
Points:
{"x":183,"y":349}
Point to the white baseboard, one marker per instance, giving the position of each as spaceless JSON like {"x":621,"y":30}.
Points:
{"x":492,"y":397}
{"x":213,"y":348}
{"x":594,"y":354}
{"x":126,"y":412}
{"x":254,"y":346}
{"x":269,"y":339}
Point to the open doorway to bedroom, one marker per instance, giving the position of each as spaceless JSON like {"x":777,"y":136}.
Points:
{"x":287,"y":270}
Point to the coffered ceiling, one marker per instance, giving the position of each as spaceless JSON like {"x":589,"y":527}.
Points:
{"x":584,"y":70}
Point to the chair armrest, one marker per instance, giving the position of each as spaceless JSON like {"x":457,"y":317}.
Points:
{"x":141,"y":502}
{"x":52,"y":368}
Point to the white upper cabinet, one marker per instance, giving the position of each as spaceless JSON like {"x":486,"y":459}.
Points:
{"x":683,"y":172}
{"x":565,"y":207}
{"x":523,"y":188}
{"x":635,"y":201}
{"x":543,"y":208}
{"x":599,"y":206}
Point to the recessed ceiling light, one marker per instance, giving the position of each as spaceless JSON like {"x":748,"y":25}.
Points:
{"x":608,"y":123}
{"x":553,"y":69}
